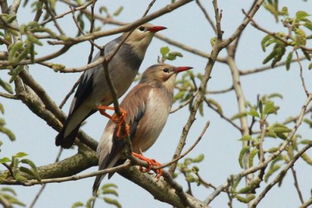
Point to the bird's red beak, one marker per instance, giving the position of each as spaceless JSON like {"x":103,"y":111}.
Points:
{"x":182,"y":68}
{"x":156,"y":28}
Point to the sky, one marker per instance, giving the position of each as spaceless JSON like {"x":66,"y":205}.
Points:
{"x":220,"y":143}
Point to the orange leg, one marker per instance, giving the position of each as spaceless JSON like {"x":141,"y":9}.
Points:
{"x":151,"y":164}
{"x":119,"y":120}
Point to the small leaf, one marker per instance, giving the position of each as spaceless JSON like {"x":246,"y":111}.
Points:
{"x":306,"y":158}
{"x":6,"y":86}
{"x":264,"y":41}
{"x":272,"y":170}
{"x":77,"y":204}
{"x":239,"y":115}
{"x":10,"y":190}
{"x":5,"y":160}
{"x":245,"y":199}
{"x":270,"y":108}
{"x":288,"y":60}
{"x":164,"y":51}
{"x":20,"y":155}
{"x":118,"y":11}
{"x":250,"y":187}
{"x":110,"y":191}
{"x":252,"y":155}
{"x":245,"y":138}
{"x":216,"y":105}
{"x":112,"y":202}
{"x":253,"y":112}
{"x":301,"y":15}
{"x":242,"y":154}
{"x":108,"y":185}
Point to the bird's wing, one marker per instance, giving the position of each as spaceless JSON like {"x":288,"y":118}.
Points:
{"x":86,"y":84}
{"x":83,"y":91}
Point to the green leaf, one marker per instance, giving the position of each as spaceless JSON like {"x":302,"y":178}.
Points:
{"x":252,"y":155}
{"x":6,"y":86}
{"x":264,"y":41}
{"x":246,"y":138}
{"x":288,"y":60}
{"x":250,"y":187}
{"x":310,"y":66}
{"x":5,"y":160}
{"x":20,"y":155}
{"x":269,"y":57}
{"x":10,"y":190}
{"x":239,"y":115}
{"x":118,"y":11}
{"x":110,"y":191}
{"x":77,"y":204}
{"x":8,"y":132}
{"x":245,"y":199}
{"x":242,"y":154}
{"x":272,"y":170}
{"x":301,"y":15}
{"x":112,"y":202}
{"x":253,"y":112}
{"x":199,"y":158}
{"x":307,"y":55}
{"x":270,"y":108}
{"x":164,"y":51}
{"x":216,"y":105}
{"x":306,"y":158}
{"x":33,"y":168}
{"x":108,"y":185}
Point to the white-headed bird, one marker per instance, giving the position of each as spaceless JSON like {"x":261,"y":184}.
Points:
{"x":147,"y":105}
{"x":93,"y":90}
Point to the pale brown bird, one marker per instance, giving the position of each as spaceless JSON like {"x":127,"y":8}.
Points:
{"x":93,"y":89}
{"x":147,"y":105}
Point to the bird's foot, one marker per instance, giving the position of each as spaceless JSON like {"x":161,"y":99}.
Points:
{"x":119,"y":120}
{"x":152,"y":165}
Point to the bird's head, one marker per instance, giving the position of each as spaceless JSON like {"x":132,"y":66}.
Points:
{"x":163,"y":74}
{"x":141,"y":37}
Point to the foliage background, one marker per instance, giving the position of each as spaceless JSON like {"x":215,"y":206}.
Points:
{"x":220,"y":144}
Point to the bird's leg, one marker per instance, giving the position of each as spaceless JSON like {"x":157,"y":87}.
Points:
{"x":119,"y":120}
{"x":151,"y":164}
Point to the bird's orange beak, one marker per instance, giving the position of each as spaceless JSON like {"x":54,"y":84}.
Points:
{"x":156,"y":28}
{"x":182,"y":68}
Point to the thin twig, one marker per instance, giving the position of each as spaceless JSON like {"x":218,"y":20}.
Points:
{"x":296,"y":184}
{"x":301,"y":75}
{"x":52,"y":15}
{"x":202,"y":8}
{"x":188,"y":151}
{"x":70,"y":93}
{"x":222,"y":115}
{"x":268,"y":67}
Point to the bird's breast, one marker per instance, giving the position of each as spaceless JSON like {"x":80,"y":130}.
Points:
{"x":154,"y":119}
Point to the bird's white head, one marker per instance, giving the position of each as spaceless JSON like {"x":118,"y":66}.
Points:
{"x":141,"y":37}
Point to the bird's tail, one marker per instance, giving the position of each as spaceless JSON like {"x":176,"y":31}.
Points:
{"x":66,"y":141}
{"x":99,"y":178}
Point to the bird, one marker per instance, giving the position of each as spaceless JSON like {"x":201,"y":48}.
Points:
{"x":93,"y":90}
{"x":147,"y":105}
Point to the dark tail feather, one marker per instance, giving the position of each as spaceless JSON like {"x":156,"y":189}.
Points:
{"x":97,"y":183}
{"x":68,"y":141}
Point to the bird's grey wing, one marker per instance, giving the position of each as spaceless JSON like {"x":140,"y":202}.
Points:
{"x":86,"y":85}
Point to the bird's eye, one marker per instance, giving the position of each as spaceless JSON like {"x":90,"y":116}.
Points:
{"x":166,"y":70}
{"x":141,"y":28}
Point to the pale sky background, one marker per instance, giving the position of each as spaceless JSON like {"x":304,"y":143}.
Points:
{"x":220,"y":145}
